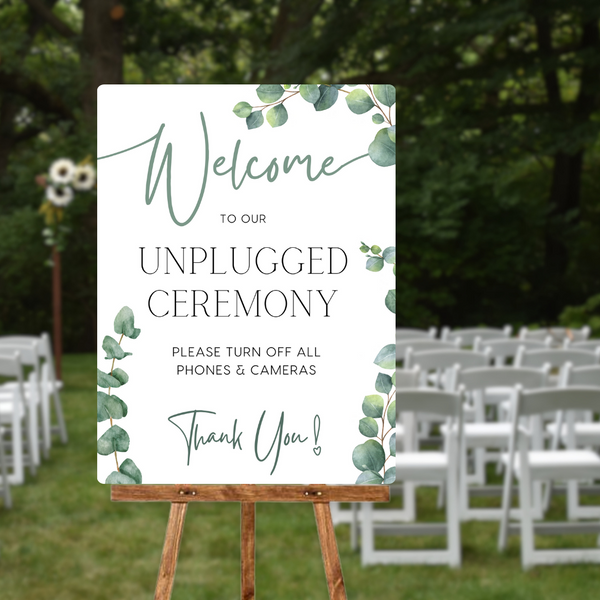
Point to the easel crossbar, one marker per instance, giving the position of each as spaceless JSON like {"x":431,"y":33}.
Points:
{"x":250,"y":493}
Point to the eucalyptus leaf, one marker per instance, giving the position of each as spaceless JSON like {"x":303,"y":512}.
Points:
{"x":368,"y":427}
{"x":109,"y":407}
{"x":382,"y":150}
{"x":385,"y":93}
{"x":114,"y":439}
{"x":277,"y":116}
{"x":392,"y":133}
{"x":269,"y":92}
{"x":369,"y":478}
{"x":113,"y":349}
{"x":129,"y":468}
{"x":372,"y":406}
{"x":120,"y":375}
{"x":364,"y":249}
{"x":393,"y":444}
{"x":389,"y":255}
{"x":242,"y":109}
{"x":105,"y":380}
{"x":369,"y":456}
{"x":359,"y":102}
{"x":255,"y":120}
{"x":377,"y":118}
{"x":383,"y":383}
{"x":386,"y":358}
{"x":339,"y":86}
{"x":374,"y":264}
{"x":376,"y":249}
{"x":310,"y":92}
{"x":390,"y":301}
{"x":117,"y":478}
{"x":124,"y":323}
{"x":394,"y":378}
{"x":390,"y":476}
{"x":328,"y":96}
{"x":391,"y":413}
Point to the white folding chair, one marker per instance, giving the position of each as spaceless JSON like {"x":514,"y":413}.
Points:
{"x":423,"y":466}
{"x":403,"y":333}
{"x":421,"y":344}
{"x":586,"y":434}
{"x":4,"y":480}
{"x":469,"y":335}
{"x":481,"y":434}
{"x":50,"y":384}
{"x":13,"y":415}
{"x":556,"y":334}
{"x":589,"y":345}
{"x":542,"y":465}
{"x":503,"y":349}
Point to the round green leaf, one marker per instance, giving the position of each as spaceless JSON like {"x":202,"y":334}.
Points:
{"x":368,"y":427}
{"x":372,"y":406}
{"x":328,"y":96}
{"x":110,"y":407}
{"x":359,"y":102}
{"x":389,"y":255}
{"x":120,"y":375}
{"x":277,"y":116}
{"x":114,"y":439}
{"x":392,"y":133}
{"x":242,"y":109}
{"x":383,"y":383}
{"x":375,"y":263}
{"x":391,"y":413}
{"x":364,"y":249}
{"x":390,"y":301}
{"x":105,"y":380}
{"x":394,"y":378}
{"x":255,"y":120}
{"x":369,"y":456}
{"x":390,"y":476}
{"x":382,"y":150}
{"x":124,"y":323}
{"x":386,"y":94}
{"x":287,"y":86}
{"x":113,"y":349}
{"x":310,"y":92}
{"x":129,"y":468}
{"x":269,"y":92}
{"x":377,"y":118}
{"x":116,"y":478}
{"x":386,"y":358}
{"x":393,"y":444}
{"x":369,"y":478}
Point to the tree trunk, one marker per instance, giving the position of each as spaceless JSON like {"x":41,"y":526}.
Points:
{"x":102,"y":51}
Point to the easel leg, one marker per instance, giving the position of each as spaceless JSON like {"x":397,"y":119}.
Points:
{"x":248,"y":551}
{"x":329,"y":549}
{"x":168,"y":561}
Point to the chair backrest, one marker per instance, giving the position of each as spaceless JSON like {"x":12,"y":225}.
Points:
{"x":557,"y":334}
{"x":480,"y":378}
{"x":501,"y":349}
{"x":10,"y":365}
{"x":589,"y":345}
{"x":469,"y":335}
{"x":28,"y":350}
{"x":403,"y":333}
{"x":429,"y":360}
{"x":555,"y":357}
{"x":586,"y":376}
{"x":535,"y":402}
{"x":422,"y":400}
{"x":420,"y":344}
{"x":407,"y":378}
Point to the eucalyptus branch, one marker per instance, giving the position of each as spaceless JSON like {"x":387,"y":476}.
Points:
{"x":389,"y":120}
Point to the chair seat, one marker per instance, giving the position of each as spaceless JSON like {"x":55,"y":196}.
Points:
{"x":585,"y":433}
{"x":7,"y":407}
{"x":421,"y":466}
{"x":559,"y":464}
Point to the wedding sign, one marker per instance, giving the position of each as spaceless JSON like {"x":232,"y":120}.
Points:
{"x":246,"y":284}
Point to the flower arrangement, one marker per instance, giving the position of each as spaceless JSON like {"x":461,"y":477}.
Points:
{"x":63,"y":180}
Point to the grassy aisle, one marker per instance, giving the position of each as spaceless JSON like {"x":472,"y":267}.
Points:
{"x":64,"y":540}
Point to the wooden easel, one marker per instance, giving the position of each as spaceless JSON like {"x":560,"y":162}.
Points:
{"x":181,"y":495}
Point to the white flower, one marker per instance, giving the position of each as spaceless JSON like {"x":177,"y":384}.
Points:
{"x":59,"y":196}
{"x":85,"y":177}
{"x":62,"y":171}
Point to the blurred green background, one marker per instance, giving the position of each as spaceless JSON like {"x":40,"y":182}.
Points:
{"x":498,"y":101}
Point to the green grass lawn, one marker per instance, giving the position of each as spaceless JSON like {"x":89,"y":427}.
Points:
{"x":65,"y":540}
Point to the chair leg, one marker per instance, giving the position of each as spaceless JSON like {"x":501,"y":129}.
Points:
{"x":354,"y":506}
{"x":453,"y":518}
{"x":4,"y":474}
{"x":506,"y":506}
{"x":572,"y":499}
{"x":62,"y":426}
{"x":525,"y":504}
{"x":367,"y":542}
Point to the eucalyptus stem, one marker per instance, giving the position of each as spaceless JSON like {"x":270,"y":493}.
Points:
{"x":111,"y":372}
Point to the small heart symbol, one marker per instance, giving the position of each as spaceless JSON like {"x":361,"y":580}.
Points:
{"x":317,"y":450}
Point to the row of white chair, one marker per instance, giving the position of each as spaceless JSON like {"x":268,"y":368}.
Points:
{"x":25,"y":406}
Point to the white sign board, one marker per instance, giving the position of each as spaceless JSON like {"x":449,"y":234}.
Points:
{"x":249,"y":272}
